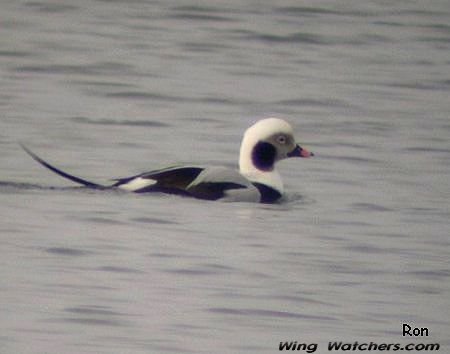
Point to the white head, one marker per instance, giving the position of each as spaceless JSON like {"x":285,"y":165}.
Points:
{"x":264,"y":143}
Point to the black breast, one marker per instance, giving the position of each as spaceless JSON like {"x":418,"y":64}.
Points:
{"x":268,"y":194}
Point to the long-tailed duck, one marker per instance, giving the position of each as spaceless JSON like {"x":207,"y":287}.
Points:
{"x":264,"y":143}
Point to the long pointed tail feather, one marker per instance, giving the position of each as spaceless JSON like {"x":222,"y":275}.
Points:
{"x":62,"y":173}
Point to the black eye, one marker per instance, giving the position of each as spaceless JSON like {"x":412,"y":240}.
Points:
{"x":281,"y":139}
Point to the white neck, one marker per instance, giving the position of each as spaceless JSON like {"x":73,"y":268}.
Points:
{"x":270,"y":178}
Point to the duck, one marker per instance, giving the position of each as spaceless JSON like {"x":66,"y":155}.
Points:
{"x":263,"y":145}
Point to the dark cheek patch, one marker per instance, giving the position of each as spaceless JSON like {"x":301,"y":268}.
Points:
{"x":263,"y":156}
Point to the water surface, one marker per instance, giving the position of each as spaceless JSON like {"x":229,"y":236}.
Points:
{"x":109,"y":89}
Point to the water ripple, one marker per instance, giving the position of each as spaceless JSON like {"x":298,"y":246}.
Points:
{"x":302,"y":102}
{"x":159,"y":221}
{"x":50,"y":8}
{"x":203,"y":269}
{"x":116,"y":269}
{"x":438,"y":274}
{"x":200,"y":13}
{"x":132,"y":123}
{"x":97,"y":69}
{"x":305,"y":11}
{"x":267,"y":313}
{"x":298,"y":37}
{"x":369,"y":207}
{"x":14,"y":54}
{"x":67,"y":251}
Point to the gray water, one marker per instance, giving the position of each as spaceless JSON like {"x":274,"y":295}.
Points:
{"x":108,"y":89}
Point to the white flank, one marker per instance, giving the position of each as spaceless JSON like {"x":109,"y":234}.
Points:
{"x":137,"y":183}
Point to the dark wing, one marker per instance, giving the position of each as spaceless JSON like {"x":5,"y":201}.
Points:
{"x":172,"y":180}
{"x":269,"y":195}
{"x":219,"y":182}
{"x":213,"y":190}
{"x":197,"y":182}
